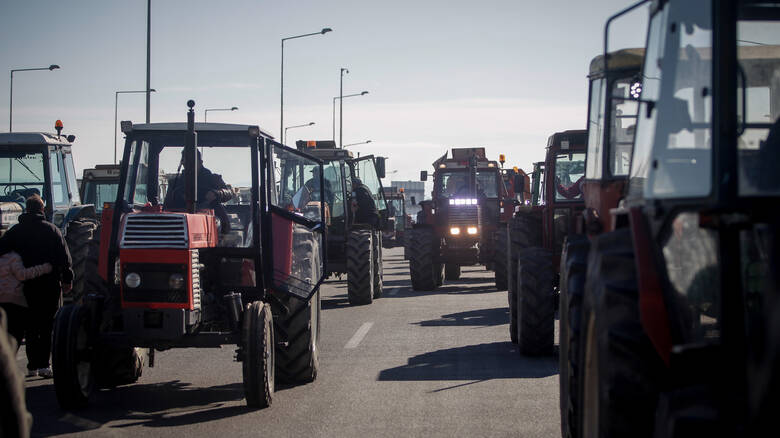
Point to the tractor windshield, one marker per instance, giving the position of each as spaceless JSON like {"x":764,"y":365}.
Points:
{"x":21,"y":175}
{"x":98,"y":192}
{"x":366,"y":171}
{"x":455,"y":182}
{"x":302,"y":186}
{"x":569,"y":174}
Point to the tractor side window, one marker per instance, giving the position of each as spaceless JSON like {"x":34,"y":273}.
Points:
{"x":623,"y":125}
{"x":367,"y":174}
{"x":569,"y":173}
{"x":678,"y":164}
{"x":70,"y":173}
{"x":59,"y":189}
{"x":595,"y":128}
{"x":332,"y":173}
{"x":759,"y":145}
{"x":138,"y":171}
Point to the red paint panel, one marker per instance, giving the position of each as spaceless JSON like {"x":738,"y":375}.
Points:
{"x":202,"y":229}
{"x":652,"y":309}
{"x":106,"y":220}
{"x":282,"y":229}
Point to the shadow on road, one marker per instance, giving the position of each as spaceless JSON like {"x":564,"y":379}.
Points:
{"x":497,"y":360}
{"x":163,"y":404}
{"x":334,"y":302}
{"x":481,"y":317}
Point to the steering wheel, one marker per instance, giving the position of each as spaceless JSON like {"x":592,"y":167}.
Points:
{"x":17,"y":195}
{"x":8,"y":190}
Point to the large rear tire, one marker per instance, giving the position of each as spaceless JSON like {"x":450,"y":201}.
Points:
{"x":574,"y":260}
{"x":72,"y":353}
{"x":360,"y":267}
{"x":500,"y":257}
{"x":79,"y":236}
{"x":378,"y":267}
{"x":297,"y":332}
{"x":620,"y":371}
{"x":258,"y":355}
{"x":451,"y":271}
{"x":535,"y":302}
{"x":524,"y":231}
{"x":422,"y":268}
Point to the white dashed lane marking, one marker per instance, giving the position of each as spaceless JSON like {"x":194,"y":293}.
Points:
{"x":359,"y":335}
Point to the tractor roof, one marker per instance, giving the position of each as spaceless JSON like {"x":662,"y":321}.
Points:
{"x":618,"y":60}
{"x":574,"y":138}
{"x":200,"y":127}
{"x":32,"y":138}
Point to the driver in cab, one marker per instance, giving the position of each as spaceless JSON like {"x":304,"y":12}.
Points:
{"x":212,"y":193}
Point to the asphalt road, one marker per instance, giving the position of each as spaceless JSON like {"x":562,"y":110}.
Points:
{"x":411,"y":364}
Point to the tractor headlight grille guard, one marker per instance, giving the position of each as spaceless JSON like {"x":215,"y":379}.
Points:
{"x":154,"y":231}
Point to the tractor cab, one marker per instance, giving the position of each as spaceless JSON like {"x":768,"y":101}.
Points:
{"x":99,"y":185}
{"x":396,"y":205}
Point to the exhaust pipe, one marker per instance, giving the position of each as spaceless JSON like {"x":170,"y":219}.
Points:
{"x":190,"y":162}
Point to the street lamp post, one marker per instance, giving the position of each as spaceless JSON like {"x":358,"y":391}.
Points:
{"x":116,"y":110}
{"x":11,"y":97}
{"x":281,"y":88}
{"x":284,"y":138}
{"x":148,"y":90}
{"x":206,"y":111}
{"x":341,"y":107}
{"x":362,"y":93}
{"x":355,"y":144}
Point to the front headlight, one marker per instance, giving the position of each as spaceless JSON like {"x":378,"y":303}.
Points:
{"x":454,"y":231}
{"x":176,"y":281}
{"x":471,"y":230}
{"x":132,"y":280}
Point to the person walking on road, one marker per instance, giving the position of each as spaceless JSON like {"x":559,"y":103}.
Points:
{"x":38,"y":241}
{"x":12,"y":274}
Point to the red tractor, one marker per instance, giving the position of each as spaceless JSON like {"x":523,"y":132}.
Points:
{"x":536,"y":235}
{"x":517,"y":186}
{"x":679,"y":331}
{"x":179,"y":274}
{"x":456,"y":227}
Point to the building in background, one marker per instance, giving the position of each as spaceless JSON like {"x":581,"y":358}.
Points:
{"x":411,"y":188}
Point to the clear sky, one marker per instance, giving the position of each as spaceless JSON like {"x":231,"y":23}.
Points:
{"x":440,"y":74}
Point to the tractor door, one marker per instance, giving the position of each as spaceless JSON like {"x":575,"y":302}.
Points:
{"x":365,"y":169}
{"x":295,"y":222}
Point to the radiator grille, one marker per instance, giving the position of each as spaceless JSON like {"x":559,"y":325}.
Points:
{"x":154,"y":231}
{"x":463,"y":215}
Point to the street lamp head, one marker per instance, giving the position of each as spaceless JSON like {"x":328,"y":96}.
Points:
{"x":364,"y":93}
{"x":368,"y":141}
{"x":233,"y":108}
{"x":311,"y":123}
{"x":344,"y":70}
{"x":152,"y":90}
{"x":53,"y":67}
{"x":326,"y":30}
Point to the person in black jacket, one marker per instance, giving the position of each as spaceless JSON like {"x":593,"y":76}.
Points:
{"x":212,"y":193}
{"x":363,"y":205}
{"x":38,"y":241}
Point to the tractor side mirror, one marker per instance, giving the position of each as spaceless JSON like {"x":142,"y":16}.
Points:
{"x":423,"y":175}
{"x":380,"y":166}
{"x":519,"y":184}
{"x":414,"y":201}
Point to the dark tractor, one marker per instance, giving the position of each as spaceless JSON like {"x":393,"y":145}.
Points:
{"x":614,"y":90}
{"x":536,"y":235}
{"x":42,"y":163}
{"x":400,"y":221}
{"x":680,"y":333}
{"x":354,"y":239}
{"x":456,"y":227}
{"x":176,"y":276}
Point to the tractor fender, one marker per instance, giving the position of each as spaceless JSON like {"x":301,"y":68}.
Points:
{"x":62,"y":217}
